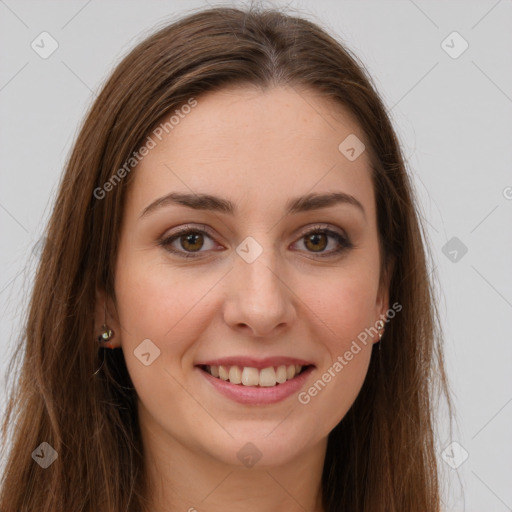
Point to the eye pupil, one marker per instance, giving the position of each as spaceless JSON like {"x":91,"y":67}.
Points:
{"x":189,"y":238}
{"x":315,"y":238}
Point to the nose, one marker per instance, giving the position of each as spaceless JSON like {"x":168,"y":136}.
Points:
{"x":259,"y":300}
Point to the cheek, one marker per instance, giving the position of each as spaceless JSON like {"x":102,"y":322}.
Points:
{"x":346,"y":303}
{"x":345,"y":309}
{"x":336,"y":386}
{"x":159,"y":305}
{"x":348,"y":310}
{"x":165,"y":306}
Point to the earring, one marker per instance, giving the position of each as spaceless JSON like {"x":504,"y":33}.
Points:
{"x":107,"y":333}
{"x":380,"y":328}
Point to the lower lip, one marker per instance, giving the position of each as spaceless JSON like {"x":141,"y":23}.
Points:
{"x":256,"y":395}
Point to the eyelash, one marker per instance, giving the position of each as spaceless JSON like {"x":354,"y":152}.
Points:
{"x":344,"y":243}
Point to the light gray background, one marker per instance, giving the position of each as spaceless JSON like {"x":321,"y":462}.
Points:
{"x":452,"y":116}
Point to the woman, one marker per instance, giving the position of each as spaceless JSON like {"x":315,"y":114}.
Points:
{"x":237,"y":233}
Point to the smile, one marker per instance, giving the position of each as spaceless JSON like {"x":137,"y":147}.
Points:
{"x":251,"y":381}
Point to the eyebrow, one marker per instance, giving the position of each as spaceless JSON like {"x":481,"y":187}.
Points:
{"x":209,"y":202}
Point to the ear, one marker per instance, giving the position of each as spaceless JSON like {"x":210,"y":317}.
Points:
{"x":105,"y":314}
{"x":382,"y":303}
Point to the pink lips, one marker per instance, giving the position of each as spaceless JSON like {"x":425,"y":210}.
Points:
{"x":256,"y":395}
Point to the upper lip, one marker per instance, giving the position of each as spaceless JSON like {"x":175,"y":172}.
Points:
{"x":252,"y":362}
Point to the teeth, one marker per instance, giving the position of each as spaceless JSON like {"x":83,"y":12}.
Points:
{"x":235,"y":375}
{"x":223,"y":372}
{"x":250,"y":377}
{"x":281,"y":374}
{"x":247,"y":376}
{"x":268,"y":377}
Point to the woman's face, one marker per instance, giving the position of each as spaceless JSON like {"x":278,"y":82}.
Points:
{"x":274,"y":282}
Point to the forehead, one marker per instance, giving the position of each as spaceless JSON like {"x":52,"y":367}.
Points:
{"x":242,"y":142}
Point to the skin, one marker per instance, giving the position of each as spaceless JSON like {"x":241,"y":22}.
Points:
{"x":257,"y":149}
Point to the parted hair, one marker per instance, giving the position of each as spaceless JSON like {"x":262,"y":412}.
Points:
{"x":381,"y":457}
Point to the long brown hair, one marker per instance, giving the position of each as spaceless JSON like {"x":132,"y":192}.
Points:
{"x":381,"y":456}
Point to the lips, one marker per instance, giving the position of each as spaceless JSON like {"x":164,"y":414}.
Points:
{"x":259,"y":373}
{"x":255,"y":395}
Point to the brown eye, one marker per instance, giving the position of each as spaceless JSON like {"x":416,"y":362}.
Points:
{"x":186,"y":242}
{"x":192,"y":241}
{"x":316,"y":241}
